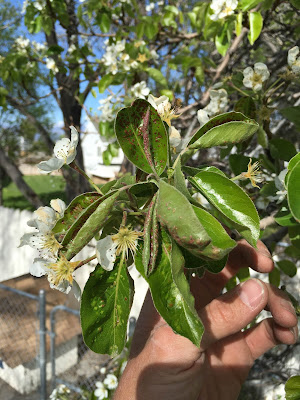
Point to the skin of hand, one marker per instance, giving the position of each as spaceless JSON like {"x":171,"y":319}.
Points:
{"x":166,"y":366}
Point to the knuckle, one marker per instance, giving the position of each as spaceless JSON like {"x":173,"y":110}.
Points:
{"x":221,"y":313}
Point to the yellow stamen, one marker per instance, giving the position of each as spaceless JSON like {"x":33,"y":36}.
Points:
{"x":253,"y":173}
{"x":126,"y":239}
{"x":62,"y":270}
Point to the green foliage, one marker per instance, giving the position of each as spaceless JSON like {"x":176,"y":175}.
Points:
{"x":292,"y":388}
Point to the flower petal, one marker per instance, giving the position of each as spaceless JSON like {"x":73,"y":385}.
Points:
{"x":39,"y":267}
{"x":59,"y":206}
{"x":106,"y":252}
{"x":51,"y":165}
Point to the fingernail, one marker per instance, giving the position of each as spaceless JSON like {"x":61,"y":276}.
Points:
{"x":294,"y":331}
{"x":265,"y":253}
{"x":287,"y":305}
{"x":251,"y":293}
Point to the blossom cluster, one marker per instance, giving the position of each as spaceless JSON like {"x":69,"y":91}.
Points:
{"x":57,"y":268}
{"x":116,"y":59}
{"x":222,"y":8}
{"x":58,"y":391}
{"x":110,"y":383}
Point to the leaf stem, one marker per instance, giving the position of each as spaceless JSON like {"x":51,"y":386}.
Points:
{"x":87,"y":260}
{"x":81,"y":172}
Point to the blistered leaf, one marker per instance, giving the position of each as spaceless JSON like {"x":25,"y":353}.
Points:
{"x":170,"y":291}
{"x":87,"y":225}
{"x":231,"y":201}
{"x":176,"y":213}
{"x":142,"y":136}
{"x":225,"y":128}
{"x":105,"y":306}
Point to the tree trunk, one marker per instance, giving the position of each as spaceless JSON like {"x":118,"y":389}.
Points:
{"x":16,"y":176}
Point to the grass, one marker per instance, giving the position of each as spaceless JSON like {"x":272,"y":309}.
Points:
{"x":47,"y":187}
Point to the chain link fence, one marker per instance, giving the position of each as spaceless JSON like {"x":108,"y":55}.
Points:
{"x":41,"y":347}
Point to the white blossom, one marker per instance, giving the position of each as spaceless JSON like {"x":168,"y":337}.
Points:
{"x":59,"y":273}
{"x":61,"y":389}
{"x":50,"y":64}
{"x":174,"y":137}
{"x":254,"y":79}
{"x":218,"y":103}
{"x":22,"y":43}
{"x":202,"y":116}
{"x":222,"y":8}
{"x":294,"y":60}
{"x":111,"y":381}
{"x":140,"y":90}
{"x":163,"y":107}
{"x":149,"y":7}
{"x":38,"y":46}
{"x":154,"y":55}
{"x":64,"y":152}
{"x":108,"y":248}
{"x":101,"y":392}
{"x":39,"y":5}
{"x":72,"y":48}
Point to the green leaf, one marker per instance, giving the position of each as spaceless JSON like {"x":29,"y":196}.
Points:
{"x":239,"y":23}
{"x":84,"y":203}
{"x":293,"y":252}
{"x":222,"y":41}
{"x":238,"y":163}
{"x":221,"y":243}
{"x":262,"y":138}
{"x":170,"y":291}
{"x":274,"y":277}
{"x":282,"y":149}
{"x":87,"y":225}
{"x":225,"y":128}
{"x":199,"y":265}
{"x":296,"y":3}
{"x":104,"y":311}
{"x":284,"y":217}
{"x":293,"y":191}
{"x":247,"y":5}
{"x":104,"y":82}
{"x":176,"y":213}
{"x":106,"y":157}
{"x":292,"y":114}
{"x":243,"y":274}
{"x":255,"y":24}
{"x":294,"y":234}
{"x":143,"y":137}
{"x":179,"y":180}
{"x":192,"y":171}
{"x":151,"y":30}
{"x":246,"y":105}
{"x":235,"y":205}
{"x":104,"y":22}
{"x":156,"y":75}
{"x":288,"y":267}
{"x":292,"y":387}
{"x":293,"y":161}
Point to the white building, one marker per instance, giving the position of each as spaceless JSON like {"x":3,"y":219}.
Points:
{"x":93,"y":146}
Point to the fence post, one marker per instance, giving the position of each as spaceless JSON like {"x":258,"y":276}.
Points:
{"x":43,"y":352}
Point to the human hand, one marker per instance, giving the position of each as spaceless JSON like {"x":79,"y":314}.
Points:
{"x":164,"y":365}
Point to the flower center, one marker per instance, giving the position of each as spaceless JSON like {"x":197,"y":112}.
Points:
{"x":126,"y":239}
{"x":62,"y":270}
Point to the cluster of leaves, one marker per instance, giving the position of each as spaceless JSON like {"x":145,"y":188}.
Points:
{"x":178,"y":231}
